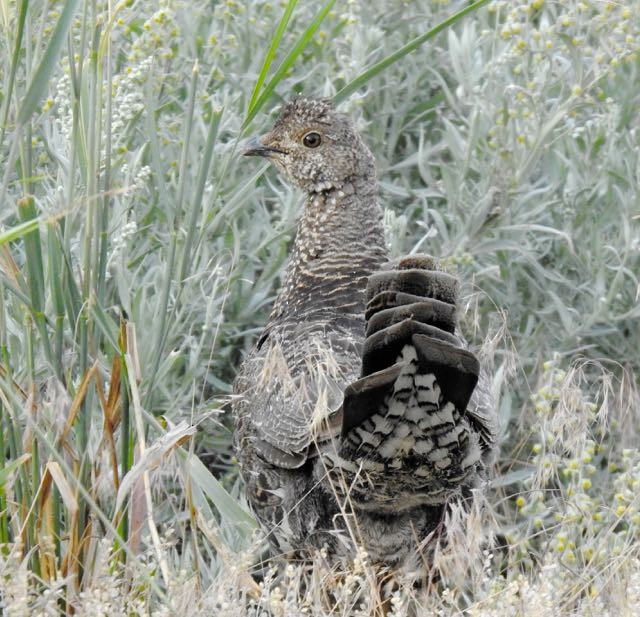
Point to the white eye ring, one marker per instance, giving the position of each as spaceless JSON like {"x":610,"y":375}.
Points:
{"x":312,"y":139}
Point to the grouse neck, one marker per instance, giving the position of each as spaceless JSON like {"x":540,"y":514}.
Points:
{"x":339,"y":243}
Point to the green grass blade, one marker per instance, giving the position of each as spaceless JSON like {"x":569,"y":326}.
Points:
{"x":19,"y":231}
{"x":288,"y":62}
{"x":40,"y":79}
{"x":72,"y":295}
{"x":157,"y":163}
{"x":105,"y":324}
{"x":411,"y":46}
{"x":226,"y":505}
{"x":186,"y":142}
{"x":35,"y":271}
{"x":22,"y":15}
{"x":161,"y":329}
{"x":54,"y":259}
{"x":203,"y":172}
{"x":8,"y":467}
{"x":271,"y":53}
{"x":126,"y":437}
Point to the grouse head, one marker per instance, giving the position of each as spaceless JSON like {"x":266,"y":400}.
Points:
{"x":317,"y":148}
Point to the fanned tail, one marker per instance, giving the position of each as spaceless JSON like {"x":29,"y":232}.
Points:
{"x":407,"y":439}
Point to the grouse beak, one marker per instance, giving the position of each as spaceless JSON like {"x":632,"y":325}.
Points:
{"x":254,"y":147}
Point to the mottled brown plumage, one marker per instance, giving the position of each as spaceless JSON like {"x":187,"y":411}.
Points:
{"x":357,"y":413}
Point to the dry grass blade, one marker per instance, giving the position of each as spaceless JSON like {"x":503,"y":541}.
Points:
{"x":66,"y":492}
{"x":111,"y":409}
{"x":76,"y":404}
{"x":152,"y":456}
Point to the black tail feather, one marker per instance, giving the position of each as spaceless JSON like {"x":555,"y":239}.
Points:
{"x":426,"y":311}
{"x":382,"y":348}
{"x":456,"y":369}
{"x":424,"y":283}
{"x":364,"y":397}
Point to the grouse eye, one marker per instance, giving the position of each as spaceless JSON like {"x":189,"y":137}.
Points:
{"x":311,"y":140}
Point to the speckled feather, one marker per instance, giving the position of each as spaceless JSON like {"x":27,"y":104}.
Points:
{"x":357,"y":414}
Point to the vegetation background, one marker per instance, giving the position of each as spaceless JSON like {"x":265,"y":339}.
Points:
{"x":139,"y":256}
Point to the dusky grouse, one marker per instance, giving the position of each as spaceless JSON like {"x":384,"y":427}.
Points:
{"x":360,"y":413}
